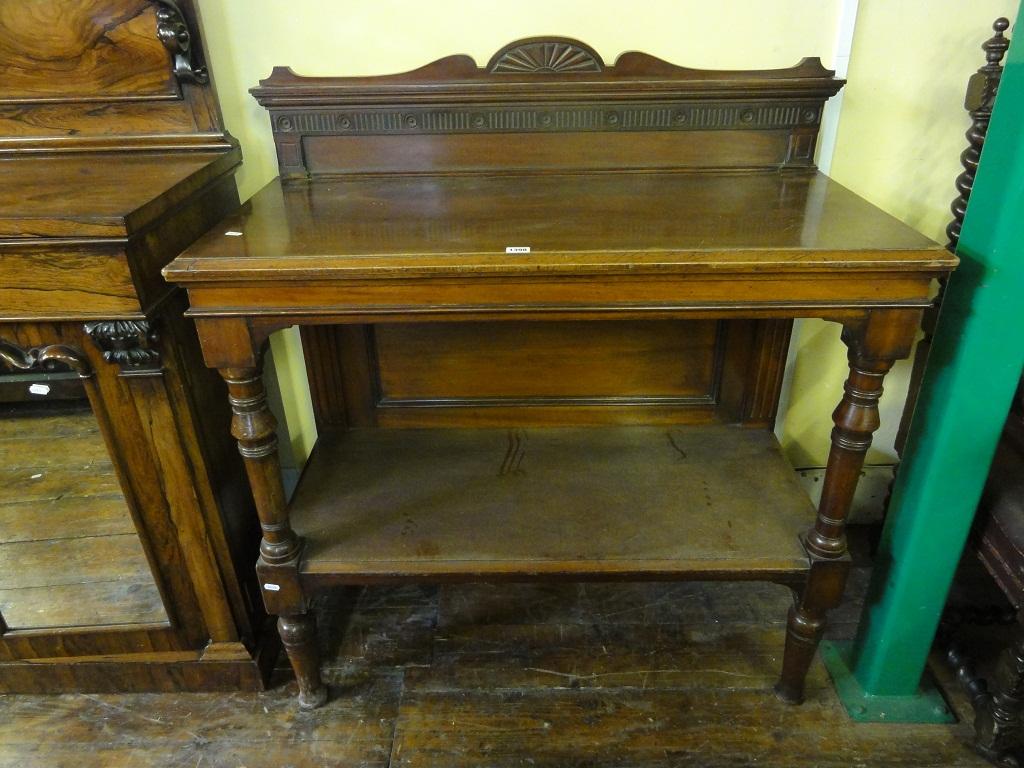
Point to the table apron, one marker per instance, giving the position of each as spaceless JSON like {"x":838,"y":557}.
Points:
{"x":831,"y":296}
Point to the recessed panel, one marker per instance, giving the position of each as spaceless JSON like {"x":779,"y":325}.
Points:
{"x":544,"y":361}
{"x":527,"y":151}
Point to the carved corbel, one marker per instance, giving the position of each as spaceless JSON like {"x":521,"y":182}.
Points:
{"x":174,"y":32}
{"x":50,"y":359}
{"x":129,"y":343}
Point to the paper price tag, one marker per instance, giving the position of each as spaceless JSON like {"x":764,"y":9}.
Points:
{"x":39,"y":389}
{"x":517,"y":249}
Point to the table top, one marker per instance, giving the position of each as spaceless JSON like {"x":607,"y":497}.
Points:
{"x":584,"y":222}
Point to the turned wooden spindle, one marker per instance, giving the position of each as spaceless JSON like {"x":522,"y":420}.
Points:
{"x":254,"y":427}
{"x":981,"y":97}
{"x":856,"y":419}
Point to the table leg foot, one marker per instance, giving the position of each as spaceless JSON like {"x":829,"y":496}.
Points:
{"x":313,"y":701}
{"x":803,"y":633}
{"x":298,"y":634}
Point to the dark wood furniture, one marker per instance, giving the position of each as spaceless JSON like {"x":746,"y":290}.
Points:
{"x":126,"y":541}
{"x":998,"y":541}
{"x":469,"y":252}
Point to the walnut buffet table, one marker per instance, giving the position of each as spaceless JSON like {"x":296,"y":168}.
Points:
{"x":548,"y":190}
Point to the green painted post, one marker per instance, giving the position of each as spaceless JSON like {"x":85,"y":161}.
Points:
{"x":976,"y":358}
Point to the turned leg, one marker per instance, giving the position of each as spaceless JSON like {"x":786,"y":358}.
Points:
{"x":881,"y":339}
{"x":806,"y":624}
{"x":280,"y":549}
{"x":997,"y":721}
{"x":298,"y":634}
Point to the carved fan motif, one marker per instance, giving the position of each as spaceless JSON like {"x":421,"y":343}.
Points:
{"x":546,"y":57}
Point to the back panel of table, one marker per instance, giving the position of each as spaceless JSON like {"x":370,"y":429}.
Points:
{"x":494,"y":374}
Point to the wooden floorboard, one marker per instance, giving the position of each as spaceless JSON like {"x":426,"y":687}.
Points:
{"x":555,"y":675}
{"x":636,"y":727}
{"x":29,"y":449}
{"x":29,"y":484}
{"x":65,"y":518}
{"x":47,"y":424}
{"x":120,"y":602}
{"x":72,"y":561}
{"x":183,"y":731}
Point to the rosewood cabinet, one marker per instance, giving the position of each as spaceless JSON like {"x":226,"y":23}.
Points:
{"x":545,"y":306}
{"x":126,"y":533}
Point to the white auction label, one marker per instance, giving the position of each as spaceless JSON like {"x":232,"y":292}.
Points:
{"x":39,"y":389}
{"x":517,"y":249}
{"x":272,"y":587}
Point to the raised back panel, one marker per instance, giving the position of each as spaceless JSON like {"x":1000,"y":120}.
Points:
{"x":84,"y":75}
{"x":546,"y":105}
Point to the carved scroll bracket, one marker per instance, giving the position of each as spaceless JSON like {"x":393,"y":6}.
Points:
{"x":129,"y":343}
{"x":173,"y":30}
{"x":50,"y":359}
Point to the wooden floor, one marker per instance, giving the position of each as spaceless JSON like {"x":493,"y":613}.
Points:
{"x":69,"y":553}
{"x":596,"y":675}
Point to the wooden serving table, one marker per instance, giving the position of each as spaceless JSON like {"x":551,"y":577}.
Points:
{"x":549,"y":190}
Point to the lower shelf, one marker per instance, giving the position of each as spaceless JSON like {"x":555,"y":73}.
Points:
{"x":601,"y":502}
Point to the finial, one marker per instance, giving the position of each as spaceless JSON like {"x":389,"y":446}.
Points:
{"x":981,"y":96}
{"x":995,"y":47}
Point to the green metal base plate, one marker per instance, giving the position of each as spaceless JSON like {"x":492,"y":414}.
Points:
{"x":925,"y":706}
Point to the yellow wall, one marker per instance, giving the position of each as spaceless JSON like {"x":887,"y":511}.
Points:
{"x":901,"y":132}
{"x":899,"y":137}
